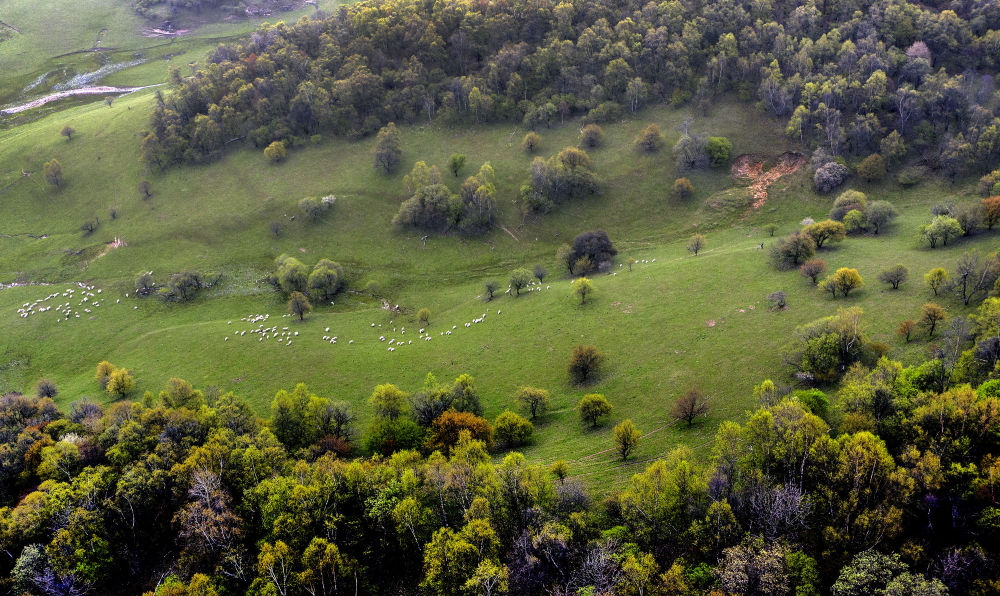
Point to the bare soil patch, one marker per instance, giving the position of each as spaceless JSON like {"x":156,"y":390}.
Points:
{"x":760,"y":175}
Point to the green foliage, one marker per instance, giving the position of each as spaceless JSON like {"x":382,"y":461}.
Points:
{"x":585,"y":364}
{"x":519,"y":279}
{"x":683,"y":189}
{"x":536,"y":401}
{"x":718,"y":149}
{"x":626,"y":437}
{"x":696,"y":243}
{"x":531,"y":142}
{"x":941,"y":229}
{"x":650,"y":139}
{"x":388,"y":149}
{"x":455,"y":163}
{"x":298,"y":305}
{"x":53,"y":172}
{"x":593,"y":407}
{"x":872,"y":168}
{"x":791,"y":251}
{"x":120,"y":383}
{"x":591,"y":136}
{"x":581,"y":287}
{"x":275,"y":152}
{"x":512,"y":430}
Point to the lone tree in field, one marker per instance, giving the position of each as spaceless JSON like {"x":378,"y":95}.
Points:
{"x":812,"y":269}
{"x":696,"y":243}
{"x":650,"y":139}
{"x":490,"y":287}
{"x":585,"y":364}
{"x":844,"y":280}
{"x":931,"y":315}
{"x":894,"y":276}
{"x":593,"y":407}
{"x":582,"y":287}
{"x":424,"y":315}
{"x":533,"y":399}
{"x":68,"y":132}
{"x":690,"y":406}
{"x":626,"y":438}
{"x":792,"y":250}
{"x":591,"y":136}
{"x":519,"y":278}
{"x":531,"y":142}
{"x":826,"y":231}
{"x":936,"y":279}
{"x":388,"y":149}
{"x":683,"y":188}
{"x":456,"y":162}
{"x":275,"y":152}
{"x":46,"y":388}
{"x":299,"y":305}
{"x":53,"y":172}
{"x":906,"y":329}
{"x":145,"y":189}
{"x":540,"y":273}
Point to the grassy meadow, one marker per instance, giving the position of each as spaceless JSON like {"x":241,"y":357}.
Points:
{"x":675,"y":322}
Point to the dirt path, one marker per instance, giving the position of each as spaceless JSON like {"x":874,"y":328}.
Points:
{"x":9,"y":26}
{"x":101,"y":90}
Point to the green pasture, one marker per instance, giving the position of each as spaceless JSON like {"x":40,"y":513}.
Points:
{"x":669,"y":325}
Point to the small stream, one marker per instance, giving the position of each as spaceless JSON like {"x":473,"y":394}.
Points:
{"x":99,"y":90}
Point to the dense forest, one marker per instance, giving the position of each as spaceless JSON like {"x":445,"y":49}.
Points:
{"x":894,"y":489}
{"x":890,"y":79}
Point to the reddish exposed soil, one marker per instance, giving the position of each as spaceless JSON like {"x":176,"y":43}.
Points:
{"x":754,"y":168}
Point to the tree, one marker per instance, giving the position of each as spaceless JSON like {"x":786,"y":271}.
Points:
{"x":456,"y":162}
{"x":424,"y":315}
{"x":53,"y":172}
{"x":540,"y":272}
{"x":626,"y":438}
{"x":826,"y":231}
{"x":560,"y":469}
{"x":145,"y":189}
{"x":872,"y":168}
{"x":941,"y":229}
{"x":790,"y":251}
{"x":770,"y":228}
{"x":931,"y":315}
{"x":519,"y":278}
{"x":894,"y":276}
{"x":533,"y":399}
{"x":905,"y":330}
{"x":585,"y":364}
{"x":696,"y":243}
{"x":291,"y":275}
{"x":275,"y":152}
{"x":683,"y":188}
{"x":312,"y":208}
{"x":565,"y":255}
{"x":847,"y":201}
{"x":829,"y":176}
{"x":512,"y":430}
{"x":690,"y":406}
{"x":183,"y":285}
{"x":991,"y":211}
{"x":596,"y":246}
{"x":812,"y":269}
{"x":46,"y":388}
{"x":120,"y":383}
{"x":936,"y":279}
{"x":778,"y":300}
{"x":299,"y":305}
{"x":650,"y":139}
{"x":387,"y":401}
{"x":388,"y":149}
{"x":879,"y":214}
{"x":581,"y":287}
{"x":490,"y":287}
{"x":718,"y":149}
{"x":591,"y":136}
{"x":103,"y":373}
{"x":531,"y":142}
{"x":68,"y":132}
{"x":326,"y":279}
{"x":447,"y":428}
{"x":855,"y":221}
{"x":845,"y":280}
{"x":593,"y":407}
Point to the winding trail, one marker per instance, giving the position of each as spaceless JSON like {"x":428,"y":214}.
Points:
{"x":100,"y":90}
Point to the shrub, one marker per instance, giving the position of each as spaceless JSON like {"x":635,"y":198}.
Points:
{"x":388,"y":149}
{"x":845,"y":280}
{"x":53,"y":172}
{"x":911,"y":176}
{"x":792,"y":250}
{"x":512,"y":430}
{"x":313,"y":208}
{"x":290,"y":275}
{"x":581,"y":287}
{"x":695,"y":244}
{"x":585,"y":364}
{"x":183,"y":285}
{"x":855,"y":221}
{"x":607,"y":111}
{"x":936,"y":279}
{"x":533,"y":399}
{"x":690,"y":406}
{"x":718,"y":149}
{"x":849,"y":200}
{"x":591,"y":136}
{"x":455,"y":163}
{"x":826,"y":231}
{"x":595,"y":246}
{"x":326,"y":279}
{"x":144,"y":284}
{"x":531,"y":142}
{"x":489,"y":288}
{"x":68,"y":132}
{"x":626,"y":438}
{"x":275,"y":152}
{"x":829,"y":177}
{"x":812,"y":269}
{"x":145,"y":189}
{"x":683,"y":188}
{"x":872,"y":168}
{"x":447,"y":428}
{"x":650,"y":139}
{"x":879,"y":215}
{"x":424,"y":315}
{"x":894,"y":276}
{"x":540,"y":272}
{"x":593,"y":407}
{"x":120,"y":383}
{"x":778,"y":300}
{"x":103,"y":373}
{"x":46,"y":388}
{"x":519,"y":278}
{"x":906,"y":329}
{"x":298,"y":305}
